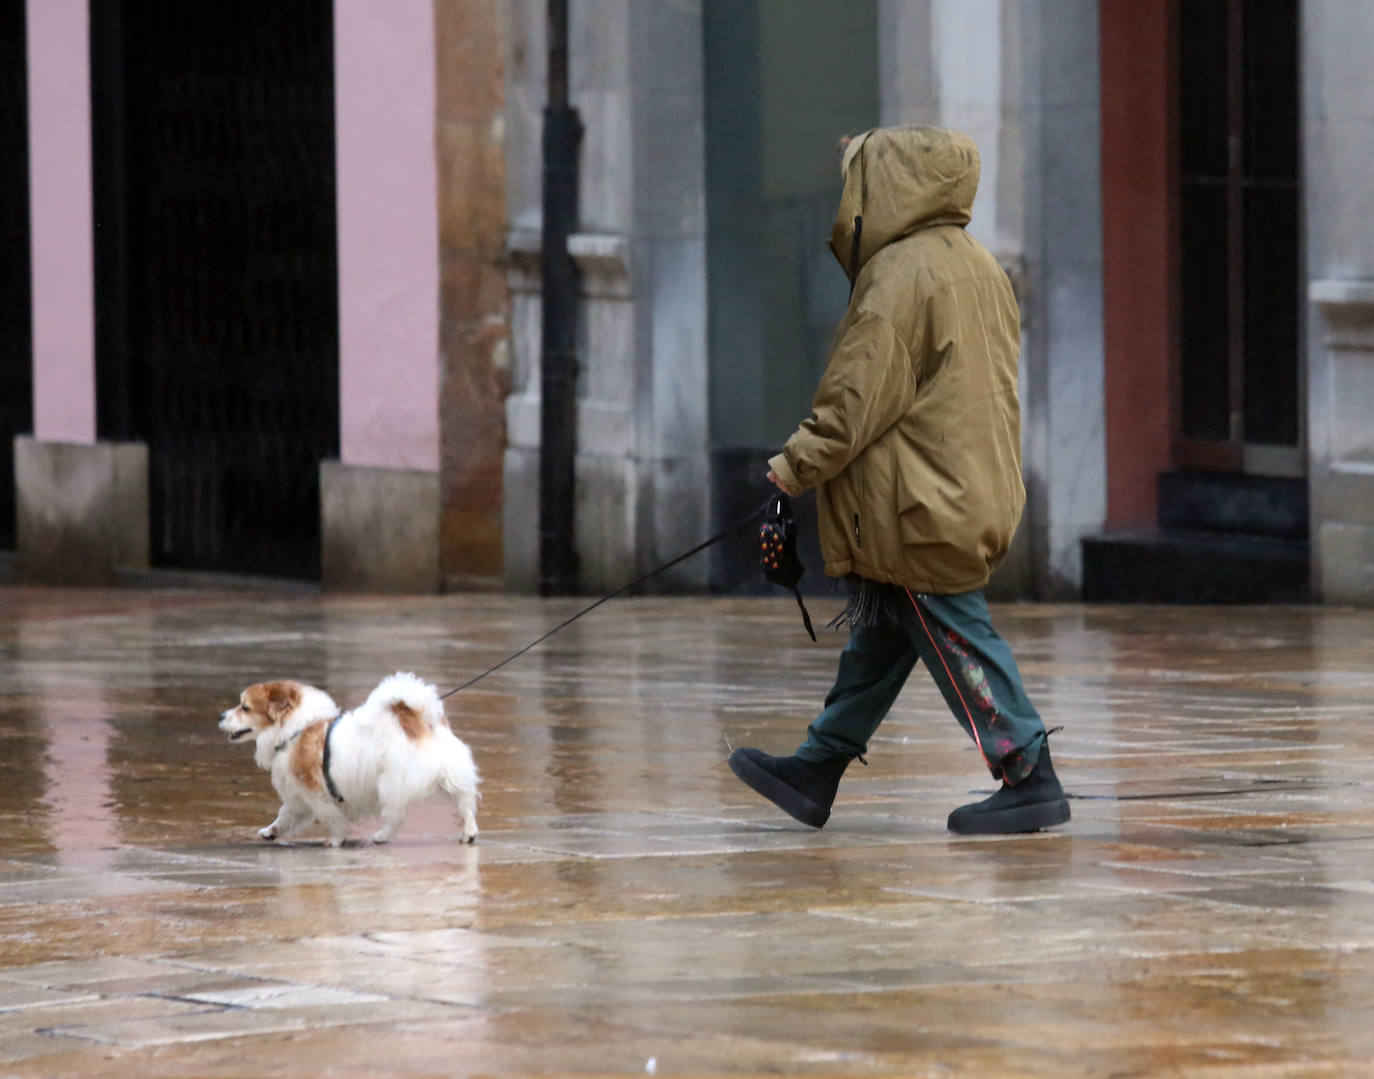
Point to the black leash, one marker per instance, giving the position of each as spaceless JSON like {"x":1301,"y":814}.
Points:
{"x":722,"y":534}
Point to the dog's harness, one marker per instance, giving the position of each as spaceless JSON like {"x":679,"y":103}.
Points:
{"x":324,"y":764}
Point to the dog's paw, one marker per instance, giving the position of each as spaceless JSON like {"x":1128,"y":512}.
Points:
{"x":381,"y":837}
{"x":468,"y":836}
{"x":269,"y":833}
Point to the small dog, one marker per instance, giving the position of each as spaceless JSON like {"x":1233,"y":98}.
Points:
{"x":397,"y":748}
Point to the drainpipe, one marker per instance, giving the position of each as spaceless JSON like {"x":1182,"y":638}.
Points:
{"x":558,"y":356}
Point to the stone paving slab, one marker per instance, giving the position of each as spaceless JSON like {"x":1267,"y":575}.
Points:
{"x":631,"y":909}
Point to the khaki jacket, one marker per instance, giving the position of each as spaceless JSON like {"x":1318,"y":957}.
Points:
{"x":914,"y":438}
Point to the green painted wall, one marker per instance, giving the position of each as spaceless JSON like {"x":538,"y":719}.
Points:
{"x":784,"y":80}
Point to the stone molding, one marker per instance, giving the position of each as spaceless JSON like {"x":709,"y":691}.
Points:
{"x":1343,"y":462}
{"x":604,"y":428}
{"x":603,"y":258}
{"x":1348,"y":307}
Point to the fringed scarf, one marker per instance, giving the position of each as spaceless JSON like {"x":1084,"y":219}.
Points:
{"x":870,"y":603}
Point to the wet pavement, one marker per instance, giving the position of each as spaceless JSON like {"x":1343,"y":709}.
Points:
{"x":630,"y":908}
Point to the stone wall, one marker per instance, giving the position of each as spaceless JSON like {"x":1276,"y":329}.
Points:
{"x":474,"y":319}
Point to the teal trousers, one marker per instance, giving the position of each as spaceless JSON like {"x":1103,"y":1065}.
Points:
{"x":971,"y":664}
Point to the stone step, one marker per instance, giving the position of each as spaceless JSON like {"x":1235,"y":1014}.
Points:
{"x":1233,"y":503}
{"x":1194,"y":567}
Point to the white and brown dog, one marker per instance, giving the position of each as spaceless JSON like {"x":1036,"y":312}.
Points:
{"x":374,"y":761}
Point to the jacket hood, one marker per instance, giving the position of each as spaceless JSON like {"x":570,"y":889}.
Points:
{"x":898,"y":180}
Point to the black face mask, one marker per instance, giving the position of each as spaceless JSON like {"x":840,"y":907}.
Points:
{"x":778,"y":550}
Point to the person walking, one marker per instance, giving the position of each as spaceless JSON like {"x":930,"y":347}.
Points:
{"x":913,"y":446}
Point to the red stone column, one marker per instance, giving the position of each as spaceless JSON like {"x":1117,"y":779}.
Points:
{"x":474,"y":320}
{"x":1139,"y":252}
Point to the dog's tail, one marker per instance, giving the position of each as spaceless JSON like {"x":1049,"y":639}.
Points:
{"x":413,"y":703}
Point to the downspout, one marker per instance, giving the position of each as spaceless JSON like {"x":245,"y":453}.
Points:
{"x":560,"y":283}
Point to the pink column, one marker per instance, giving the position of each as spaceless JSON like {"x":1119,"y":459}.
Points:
{"x":60,"y":205}
{"x":388,"y":234}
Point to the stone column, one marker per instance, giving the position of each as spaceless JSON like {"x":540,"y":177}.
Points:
{"x":474,"y":314}
{"x":641,"y":435}
{"x":1340,"y":394}
{"x":82,"y":505}
{"x":1338,"y":141}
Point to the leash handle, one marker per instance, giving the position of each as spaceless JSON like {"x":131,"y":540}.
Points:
{"x":778,"y":547}
{"x":754,"y":516}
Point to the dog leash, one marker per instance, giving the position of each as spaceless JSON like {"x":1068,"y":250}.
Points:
{"x":722,"y":534}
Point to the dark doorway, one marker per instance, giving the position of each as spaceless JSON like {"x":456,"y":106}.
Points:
{"x":1239,"y":210}
{"x":216,"y":282}
{"x":16,"y":318}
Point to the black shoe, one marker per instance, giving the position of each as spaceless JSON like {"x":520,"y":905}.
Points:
{"x":799,"y":788}
{"x":1036,"y":802}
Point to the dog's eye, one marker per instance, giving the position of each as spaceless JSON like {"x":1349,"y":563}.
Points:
{"x":245,"y":707}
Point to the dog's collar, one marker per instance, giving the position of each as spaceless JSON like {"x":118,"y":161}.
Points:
{"x":287,"y":741}
{"x":324,"y":765}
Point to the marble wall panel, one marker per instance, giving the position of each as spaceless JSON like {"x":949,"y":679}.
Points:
{"x":608,"y":352}
{"x":606,"y":507}
{"x":520,"y":518}
{"x":678,"y":345}
{"x":1346,"y":554}
{"x":380,"y":529}
{"x":82,"y":509}
{"x":1338,"y":139}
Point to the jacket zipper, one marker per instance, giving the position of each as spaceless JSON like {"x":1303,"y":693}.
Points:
{"x":858,"y":539}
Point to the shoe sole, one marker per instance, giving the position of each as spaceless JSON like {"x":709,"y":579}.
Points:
{"x":1031,"y":818}
{"x":793,"y":803}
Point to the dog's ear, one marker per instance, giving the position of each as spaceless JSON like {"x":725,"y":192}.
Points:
{"x":282,"y":698}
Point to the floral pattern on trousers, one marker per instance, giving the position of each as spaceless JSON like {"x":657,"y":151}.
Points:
{"x":972,"y":666}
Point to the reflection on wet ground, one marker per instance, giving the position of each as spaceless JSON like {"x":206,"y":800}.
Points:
{"x":629,"y":906}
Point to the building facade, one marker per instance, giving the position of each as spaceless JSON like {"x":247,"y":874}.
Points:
{"x":1174,"y":188}
{"x":268,"y":306}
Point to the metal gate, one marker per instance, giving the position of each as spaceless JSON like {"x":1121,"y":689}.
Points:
{"x":16,"y":334}
{"x":216,"y":283}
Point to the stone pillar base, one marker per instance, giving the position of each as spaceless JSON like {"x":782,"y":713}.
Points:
{"x":1341,"y":468}
{"x":380,"y":529}
{"x":82,"y":510}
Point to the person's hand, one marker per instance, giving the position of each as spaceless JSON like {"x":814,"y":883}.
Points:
{"x":776,"y":481}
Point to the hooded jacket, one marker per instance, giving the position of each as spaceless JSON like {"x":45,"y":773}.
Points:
{"x":914,"y":438}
